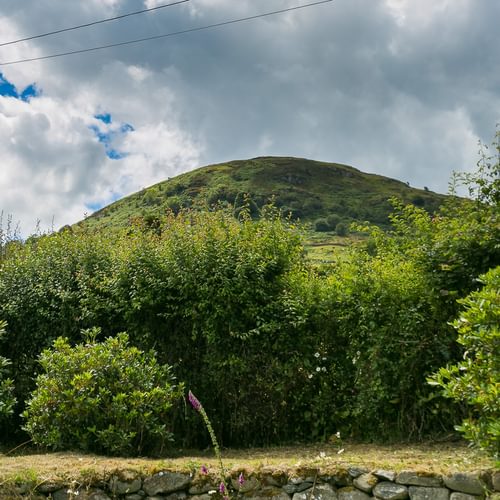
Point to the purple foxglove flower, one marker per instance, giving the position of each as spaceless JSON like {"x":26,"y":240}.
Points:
{"x":204,"y":469}
{"x":194,"y":401}
{"x":222,"y":488}
{"x":241,"y":479}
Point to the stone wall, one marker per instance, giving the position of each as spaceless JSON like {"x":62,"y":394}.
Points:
{"x":272,"y":484}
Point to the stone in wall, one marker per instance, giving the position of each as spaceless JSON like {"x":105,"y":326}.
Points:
{"x":387,"y":490}
{"x":456,"y":495}
{"x":366,"y":482}
{"x":428,"y":493}
{"x":495,"y":481}
{"x":268,"y":493}
{"x":319,"y":492}
{"x":355,"y":472}
{"x":465,"y":483}
{"x":251,"y":483}
{"x":125,"y":482}
{"x":166,"y":482}
{"x":351,"y":493}
{"x":385,"y":475}
{"x":418,"y":479}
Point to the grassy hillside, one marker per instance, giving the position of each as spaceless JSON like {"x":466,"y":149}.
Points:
{"x":306,"y":189}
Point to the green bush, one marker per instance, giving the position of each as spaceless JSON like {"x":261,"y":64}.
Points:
{"x":101,"y":396}
{"x":381,"y":310}
{"x":321,"y":225}
{"x":476,"y":379}
{"x":55,"y":286}
{"x":214,"y":296}
{"x":245,"y":206}
{"x":7,"y":399}
{"x":333,"y":220}
{"x":342,"y":229}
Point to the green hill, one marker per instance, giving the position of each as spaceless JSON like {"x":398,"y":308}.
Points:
{"x":306,"y":189}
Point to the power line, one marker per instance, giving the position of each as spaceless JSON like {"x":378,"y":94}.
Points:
{"x":93,"y":23}
{"x":156,"y":37}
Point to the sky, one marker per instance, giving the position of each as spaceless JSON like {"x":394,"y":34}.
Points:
{"x":401,"y":88}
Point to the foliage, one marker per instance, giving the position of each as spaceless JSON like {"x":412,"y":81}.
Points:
{"x":460,"y":242}
{"x":476,"y":378}
{"x":333,"y":220}
{"x":342,"y":229}
{"x":306,"y":189}
{"x":101,"y":396}
{"x":321,"y":225}
{"x":483,"y":184}
{"x":382,"y":313}
{"x":7,"y":399}
{"x":54,"y":286}
{"x":244,"y":206}
{"x":280,"y":348}
{"x":201,"y":286}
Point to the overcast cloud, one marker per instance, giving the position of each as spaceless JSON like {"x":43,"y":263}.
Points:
{"x":402,"y":88}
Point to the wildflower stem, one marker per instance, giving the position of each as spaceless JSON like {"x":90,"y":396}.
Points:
{"x":199,"y":408}
{"x":215,"y":444}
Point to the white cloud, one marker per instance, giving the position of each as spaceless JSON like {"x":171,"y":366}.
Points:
{"x":396,"y":87}
{"x":54,"y":165}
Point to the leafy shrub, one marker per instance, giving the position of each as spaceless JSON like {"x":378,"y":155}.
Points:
{"x":55,"y":286}
{"x":333,"y":220}
{"x":7,"y":399}
{"x":476,"y":379}
{"x":214,"y":296}
{"x":100,"y":396}
{"x":383,"y":313}
{"x":291,"y":213}
{"x":342,"y":229}
{"x":321,"y":225}
{"x":245,"y":206}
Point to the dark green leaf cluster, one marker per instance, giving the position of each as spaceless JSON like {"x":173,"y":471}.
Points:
{"x":7,"y":399}
{"x":103,"y":397}
{"x":332,"y":223}
{"x":476,"y":378}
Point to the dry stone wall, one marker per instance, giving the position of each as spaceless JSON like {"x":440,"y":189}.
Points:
{"x":268,"y":484}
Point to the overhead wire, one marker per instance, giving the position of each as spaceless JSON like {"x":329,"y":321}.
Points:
{"x":165,"y":35}
{"x":93,"y":23}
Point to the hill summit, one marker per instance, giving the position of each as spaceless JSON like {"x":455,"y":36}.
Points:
{"x":304,"y":189}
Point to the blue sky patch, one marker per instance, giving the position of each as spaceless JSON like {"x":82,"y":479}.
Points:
{"x":8,"y":89}
{"x":109,"y":134}
{"x":104,"y":117}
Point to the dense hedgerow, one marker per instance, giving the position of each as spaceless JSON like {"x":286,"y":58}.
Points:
{"x":278,"y":349}
{"x":7,"y":399}
{"x":476,"y":378}
{"x":104,"y":397}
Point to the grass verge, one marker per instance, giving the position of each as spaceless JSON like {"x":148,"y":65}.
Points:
{"x":439,"y":458}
